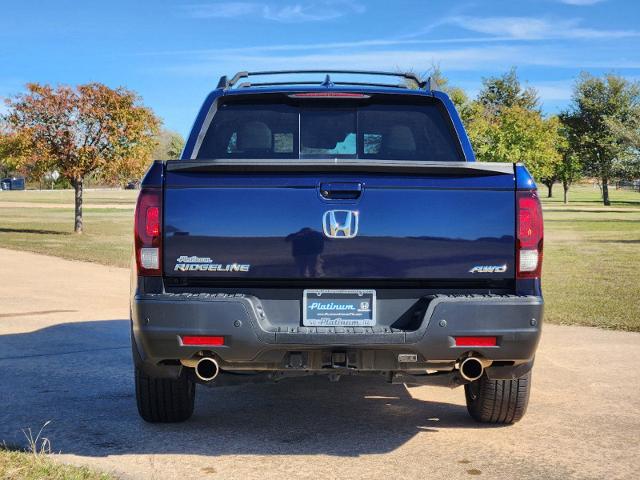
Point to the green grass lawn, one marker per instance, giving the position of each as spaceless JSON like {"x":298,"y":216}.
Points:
{"x":590,"y":196}
{"x":107,"y":237}
{"x":591,"y":273}
{"x":90,"y":197}
{"x":27,"y":466}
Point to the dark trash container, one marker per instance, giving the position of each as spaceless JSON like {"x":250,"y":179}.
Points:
{"x":12,"y":183}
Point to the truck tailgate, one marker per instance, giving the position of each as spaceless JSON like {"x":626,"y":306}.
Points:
{"x":443,"y":224}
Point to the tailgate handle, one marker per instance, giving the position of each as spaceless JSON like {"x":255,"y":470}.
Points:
{"x":341,"y":190}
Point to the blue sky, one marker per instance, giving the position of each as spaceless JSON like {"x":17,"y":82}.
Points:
{"x":172,"y":52}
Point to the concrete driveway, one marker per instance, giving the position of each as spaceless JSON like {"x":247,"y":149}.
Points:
{"x":64,"y":357}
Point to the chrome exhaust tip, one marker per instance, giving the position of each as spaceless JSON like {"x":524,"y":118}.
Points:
{"x":472,"y":368}
{"x":207,"y":369}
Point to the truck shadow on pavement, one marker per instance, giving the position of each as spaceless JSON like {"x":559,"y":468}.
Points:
{"x":79,"y":376}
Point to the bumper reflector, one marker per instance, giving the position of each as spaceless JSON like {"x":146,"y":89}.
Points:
{"x":475,"y":341}
{"x":199,"y":341}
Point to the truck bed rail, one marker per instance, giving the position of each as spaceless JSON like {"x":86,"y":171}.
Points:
{"x":341,"y":165}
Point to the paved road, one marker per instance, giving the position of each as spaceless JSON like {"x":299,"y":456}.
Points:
{"x":64,"y":357}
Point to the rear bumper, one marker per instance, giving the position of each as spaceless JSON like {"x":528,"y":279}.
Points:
{"x":252,"y":342}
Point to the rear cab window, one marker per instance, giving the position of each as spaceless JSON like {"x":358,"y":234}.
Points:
{"x":279,"y":127}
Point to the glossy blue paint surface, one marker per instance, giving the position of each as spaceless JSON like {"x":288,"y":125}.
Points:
{"x":409,"y":228}
{"x":524,"y":180}
{"x":153,"y":178}
{"x":305,"y":180}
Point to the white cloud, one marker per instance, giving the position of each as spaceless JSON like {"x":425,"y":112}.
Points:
{"x":221,"y":10}
{"x":452,"y":59}
{"x":498,"y":44}
{"x":580,"y":3}
{"x":513,"y":27}
{"x":491,"y":57}
{"x":319,"y":10}
{"x":531,"y":28}
{"x":554,"y":90}
{"x":307,"y":47}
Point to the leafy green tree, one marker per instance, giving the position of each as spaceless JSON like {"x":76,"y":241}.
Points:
{"x":4,"y":150}
{"x":568,"y":171}
{"x":480,"y":127}
{"x":457,"y":94}
{"x":516,"y":135}
{"x":170,"y":145}
{"x":504,"y":124}
{"x":87,"y":131}
{"x":602,"y":110}
{"x":505,"y":91}
{"x":629,"y":134}
{"x":566,"y":166}
{"x":549,"y":182}
{"x":11,"y":146}
{"x":175,"y":146}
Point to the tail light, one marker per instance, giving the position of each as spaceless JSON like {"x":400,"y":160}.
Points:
{"x":329,"y":95}
{"x":530,"y":235}
{"x":148,"y":232}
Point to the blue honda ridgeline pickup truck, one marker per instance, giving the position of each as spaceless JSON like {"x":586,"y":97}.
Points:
{"x":325,"y":227}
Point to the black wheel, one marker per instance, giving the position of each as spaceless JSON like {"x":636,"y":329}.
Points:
{"x":164,"y":400}
{"x":498,"y":401}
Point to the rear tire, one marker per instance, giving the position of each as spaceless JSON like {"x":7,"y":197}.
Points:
{"x":498,"y":401}
{"x":164,"y":400}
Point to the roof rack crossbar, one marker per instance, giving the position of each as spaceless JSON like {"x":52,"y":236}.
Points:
{"x":356,"y":84}
{"x":226,"y":83}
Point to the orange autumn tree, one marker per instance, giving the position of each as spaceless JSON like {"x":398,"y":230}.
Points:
{"x":90,"y":130}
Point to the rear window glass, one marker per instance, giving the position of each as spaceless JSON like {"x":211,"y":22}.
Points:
{"x":320,"y":130}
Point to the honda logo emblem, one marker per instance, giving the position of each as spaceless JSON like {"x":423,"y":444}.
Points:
{"x":340,"y":223}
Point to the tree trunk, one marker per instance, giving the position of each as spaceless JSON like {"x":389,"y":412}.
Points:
{"x":565,"y":187}
{"x":77,"y":186}
{"x":549,"y":189}
{"x":605,"y":191}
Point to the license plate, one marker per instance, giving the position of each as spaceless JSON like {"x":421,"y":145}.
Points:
{"x":339,"y":308}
